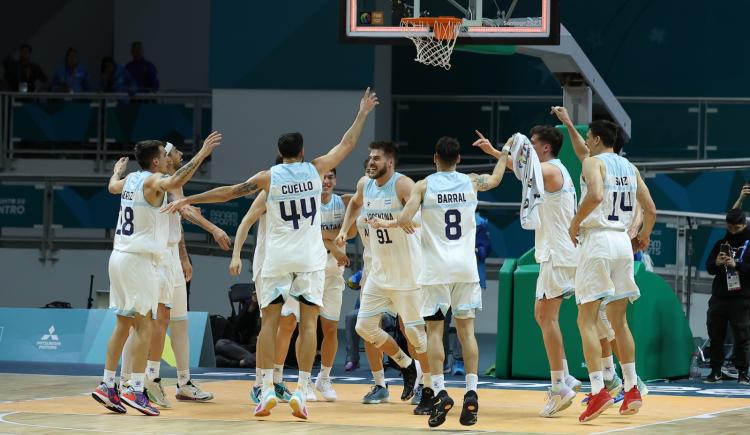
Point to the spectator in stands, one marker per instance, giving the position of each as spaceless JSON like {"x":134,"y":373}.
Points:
{"x":25,"y":75}
{"x":115,"y":78}
{"x":744,"y":193}
{"x":729,"y":263}
{"x":71,"y":77}
{"x":143,"y":71}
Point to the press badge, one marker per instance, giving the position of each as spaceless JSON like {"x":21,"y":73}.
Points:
{"x":733,"y":280}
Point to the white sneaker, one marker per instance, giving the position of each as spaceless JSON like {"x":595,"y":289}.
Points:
{"x":558,"y":401}
{"x":192,"y":392}
{"x":267,"y":402}
{"x":155,"y":392}
{"x":299,"y":407}
{"x":573,"y":383}
{"x":310,"y":392}
{"x":325,"y":386}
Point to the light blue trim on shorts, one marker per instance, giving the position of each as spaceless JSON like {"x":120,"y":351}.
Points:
{"x":443,"y":308}
{"x":380,"y":312}
{"x":124,"y":313}
{"x":566,"y":294}
{"x":328,"y":318}
{"x":623,"y":296}
{"x":419,"y":322}
{"x":602,"y":295}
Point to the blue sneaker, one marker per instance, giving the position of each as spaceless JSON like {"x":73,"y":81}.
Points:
{"x":255,"y":394}
{"x":376,"y":395}
{"x":282,"y":392}
{"x":620,"y":396}
{"x":354,"y":281}
{"x":458,"y":368}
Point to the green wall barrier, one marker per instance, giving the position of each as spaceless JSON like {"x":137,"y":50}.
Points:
{"x":504,"y":319}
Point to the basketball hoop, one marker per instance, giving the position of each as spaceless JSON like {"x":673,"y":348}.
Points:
{"x":434,"y":38}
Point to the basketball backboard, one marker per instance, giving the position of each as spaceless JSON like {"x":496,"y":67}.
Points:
{"x":527,"y":22}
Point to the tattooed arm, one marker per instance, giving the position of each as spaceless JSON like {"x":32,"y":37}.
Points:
{"x":255,"y":183}
{"x":486,"y":182}
{"x":183,"y":175}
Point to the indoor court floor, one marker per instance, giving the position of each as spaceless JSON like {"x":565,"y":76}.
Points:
{"x":51,"y":404}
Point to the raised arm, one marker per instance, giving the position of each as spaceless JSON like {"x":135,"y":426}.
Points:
{"x":486,"y":182}
{"x":183,"y":175}
{"x":352,"y":212}
{"x":224,"y":193}
{"x":194,"y":216}
{"x":744,"y":193}
{"x":643,"y":196}
{"x":579,"y":143}
{"x":116,"y":182}
{"x":338,"y":153}
{"x":256,"y":210}
{"x":412,"y":207}
{"x":594,"y":195}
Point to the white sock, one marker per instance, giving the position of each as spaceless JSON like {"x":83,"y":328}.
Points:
{"x":438,"y":383}
{"x":471,"y":382}
{"x":597,"y":382}
{"x":109,"y":378}
{"x":628,"y":373}
{"x":565,"y":368}
{"x":266,"y":376}
{"x":558,"y":380}
{"x":183,"y":377}
{"x":379,"y":377}
{"x":302,"y":380}
{"x":427,"y":379}
{"x":152,"y":369}
{"x":137,"y":381}
{"x":125,"y":377}
{"x":278,"y":373}
{"x":608,"y":364}
{"x":402,"y":359}
{"x":325,"y":372}
{"x":418,"y":381}
{"x":258,"y":376}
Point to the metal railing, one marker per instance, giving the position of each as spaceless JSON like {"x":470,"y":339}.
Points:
{"x":96,"y":145}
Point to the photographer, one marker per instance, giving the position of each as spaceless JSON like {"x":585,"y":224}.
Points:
{"x":729,"y":262}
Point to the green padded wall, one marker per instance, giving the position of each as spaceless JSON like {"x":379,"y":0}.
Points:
{"x":504,"y":319}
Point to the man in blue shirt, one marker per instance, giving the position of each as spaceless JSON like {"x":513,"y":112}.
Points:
{"x":143,"y":71}
{"x":71,"y":77}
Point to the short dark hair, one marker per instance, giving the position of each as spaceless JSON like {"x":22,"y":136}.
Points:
{"x":736,"y":216}
{"x":333,"y":170}
{"x":606,"y":130}
{"x":107,"y":60}
{"x":146,"y":151}
{"x":290,"y":145}
{"x":548,"y":134}
{"x":279,"y":160}
{"x":447,"y":148}
{"x":389,"y":148}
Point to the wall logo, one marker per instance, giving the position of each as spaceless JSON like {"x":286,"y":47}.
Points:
{"x":49,"y":341}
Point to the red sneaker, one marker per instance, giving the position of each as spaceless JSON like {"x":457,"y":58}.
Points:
{"x":596,"y":405}
{"x":632,"y":402}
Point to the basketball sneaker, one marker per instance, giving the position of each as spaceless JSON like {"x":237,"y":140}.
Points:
{"x":642,"y":387}
{"x":377,"y":394}
{"x":470,"y":409}
{"x":557,"y":401}
{"x":713,"y":378}
{"x":573,"y":383}
{"x":299,"y":407}
{"x":109,"y":398}
{"x":325,"y":386}
{"x":155,"y":392}
{"x":310,"y":395}
{"x":632,"y":402}
{"x":439,"y":411}
{"x":138,"y":400}
{"x":255,"y":393}
{"x":268,"y":401}
{"x":742,"y":378}
{"x":417,"y":397}
{"x":426,"y":401}
{"x":409,"y":376}
{"x":282,"y":392}
{"x":192,"y":392}
{"x":614,"y":388}
{"x":596,"y":405}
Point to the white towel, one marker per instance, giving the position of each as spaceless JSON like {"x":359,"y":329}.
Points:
{"x":528,"y":169}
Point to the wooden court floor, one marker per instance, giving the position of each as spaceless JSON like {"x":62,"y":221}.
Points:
{"x":43,"y":404}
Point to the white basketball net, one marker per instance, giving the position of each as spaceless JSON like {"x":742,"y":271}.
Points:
{"x":434,"y":46}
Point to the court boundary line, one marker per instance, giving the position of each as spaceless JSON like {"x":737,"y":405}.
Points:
{"x":705,"y":415}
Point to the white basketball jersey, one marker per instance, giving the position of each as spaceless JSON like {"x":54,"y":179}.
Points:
{"x":449,"y":230}
{"x":396,"y":256}
{"x":331,"y":219}
{"x":364,"y":235}
{"x":620,"y":183}
{"x":260,"y":247}
{"x":551,"y":240}
{"x":294,"y":242}
{"x":141,"y":227}
{"x":175,"y":229}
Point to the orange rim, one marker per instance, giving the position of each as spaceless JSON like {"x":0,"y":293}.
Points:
{"x":443,"y":27}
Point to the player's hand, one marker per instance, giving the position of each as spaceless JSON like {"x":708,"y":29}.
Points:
{"x":194,"y":209}
{"x":341,"y":258}
{"x":721,"y":259}
{"x":340,"y":240}
{"x":573,"y":231}
{"x":561,"y":113}
{"x":745,"y":192}
{"x":368,"y":102}
{"x":643,"y":241}
{"x":377,"y":223}
{"x":120,"y":166}
{"x":407,"y":226}
{"x":730,"y":262}
{"x":175,"y":206}
{"x":212,"y":141}
{"x":485,"y":145}
{"x":187,"y":270}
{"x":235,"y":267}
{"x":222,"y":239}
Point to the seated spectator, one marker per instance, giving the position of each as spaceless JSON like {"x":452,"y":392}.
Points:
{"x":71,"y":77}
{"x":729,"y":263}
{"x":238,"y":347}
{"x":143,"y":72}
{"x":25,"y":75}
{"x":115,"y":78}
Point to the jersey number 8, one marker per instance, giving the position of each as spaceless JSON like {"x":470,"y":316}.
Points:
{"x":452,"y":224}
{"x":125,"y":222}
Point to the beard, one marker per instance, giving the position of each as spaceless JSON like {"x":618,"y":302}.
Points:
{"x":376,"y":173}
